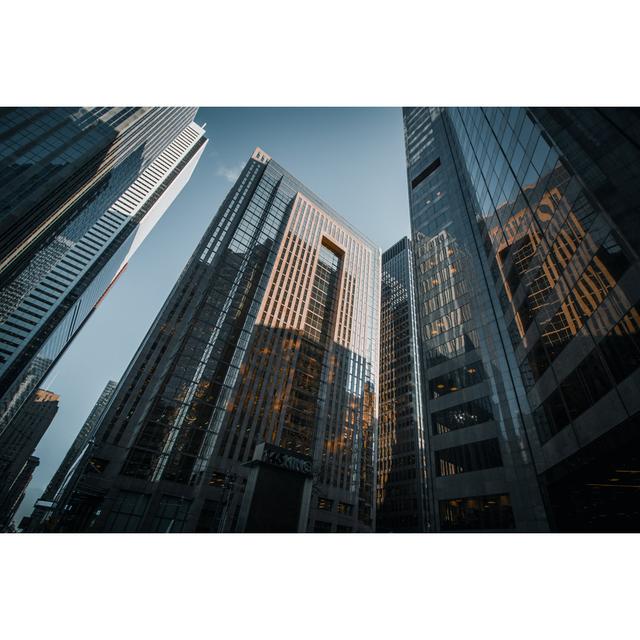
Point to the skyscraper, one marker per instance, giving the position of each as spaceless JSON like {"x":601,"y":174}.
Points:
{"x":479,"y":462}
{"x":43,"y":306}
{"x":556,"y":211}
{"x":401,"y":504}
{"x":16,"y":465}
{"x":535,"y":277}
{"x":86,"y":433}
{"x":252,"y":402}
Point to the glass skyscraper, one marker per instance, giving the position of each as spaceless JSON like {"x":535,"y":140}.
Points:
{"x":44,"y":305}
{"x":16,"y":462}
{"x":401,"y":503}
{"x":265,"y":353}
{"x":527,"y":285}
{"x":85,"y":435}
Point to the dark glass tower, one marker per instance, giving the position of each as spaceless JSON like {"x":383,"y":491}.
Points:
{"x":16,"y":462}
{"x":545,"y":206}
{"x":47,"y":510}
{"x":67,"y":270}
{"x":480,"y":466}
{"x":252,"y":403}
{"x":556,"y":194}
{"x":401,"y":504}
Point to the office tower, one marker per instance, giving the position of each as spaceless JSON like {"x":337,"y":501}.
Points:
{"x":479,"y":459}
{"x":17,"y":492}
{"x":251,"y":405}
{"x":85,"y":435}
{"x":549,"y":198}
{"x":401,"y":502}
{"x":556,"y":195}
{"x":18,"y":446}
{"x":45,"y":304}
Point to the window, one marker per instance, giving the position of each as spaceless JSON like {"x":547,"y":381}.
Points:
{"x":462,"y":415}
{"x":170,"y":515}
{"x":457,"y":379}
{"x":127,"y":512}
{"x":423,"y":175}
{"x":345,"y":508}
{"x":468,"y":457}
{"x":324,"y":504}
{"x":478,"y":512}
{"x":321,"y":527}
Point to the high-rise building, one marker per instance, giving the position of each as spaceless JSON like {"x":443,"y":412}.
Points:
{"x":85,"y":435}
{"x":251,"y":405}
{"x":537,"y":278}
{"x":44,"y":304}
{"x":479,"y":459}
{"x":17,"y":492}
{"x":401,"y":502}
{"x":17,"y":449}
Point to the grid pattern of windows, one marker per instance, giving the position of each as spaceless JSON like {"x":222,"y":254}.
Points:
{"x":269,"y":335}
{"x":558,"y":260}
{"x":461,"y":325}
{"x":126,"y":513}
{"x":401,"y":489}
{"x":44,"y":306}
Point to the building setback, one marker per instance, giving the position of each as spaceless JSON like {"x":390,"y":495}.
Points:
{"x":401,"y":504}
{"x":251,"y":405}
{"x":46,"y":305}
{"x":16,"y":462}
{"x":528,"y":292}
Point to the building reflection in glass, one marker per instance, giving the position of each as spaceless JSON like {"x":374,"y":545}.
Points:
{"x":270,"y":335}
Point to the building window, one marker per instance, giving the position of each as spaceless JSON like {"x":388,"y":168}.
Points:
{"x":478,"y":512}
{"x":463,"y":415}
{"x":457,"y":379}
{"x":345,"y":508}
{"x":170,"y":515}
{"x":127,"y":512}
{"x":321,"y":527}
{"x":469,"y":457}
{"x":325,"y":504}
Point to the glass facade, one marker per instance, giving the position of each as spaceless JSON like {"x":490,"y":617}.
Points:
{"x":537,"y":273}
{"x":85,"y":435}
{"x":475,"y":436}
{"x":16,"y":463}
{"x":45,"y":305}
{"x":401,"y":502}
{"x":269,"y":335}
{"x":554,"y":200}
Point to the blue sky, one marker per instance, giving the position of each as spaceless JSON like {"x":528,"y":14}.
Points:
{"x":353,"y":158}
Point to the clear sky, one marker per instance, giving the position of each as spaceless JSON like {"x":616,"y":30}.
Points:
{"x":352,"y":158}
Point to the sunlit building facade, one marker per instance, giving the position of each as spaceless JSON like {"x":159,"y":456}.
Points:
{"x":46,"y":303}
{"x":268,"y":339}
{"x":401,"y":502}
{"x":543,"y":233}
